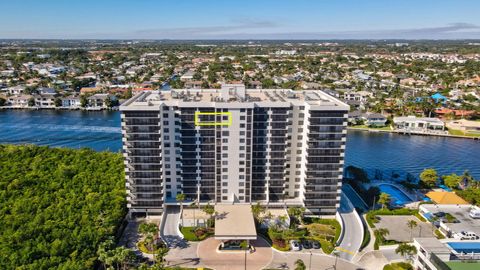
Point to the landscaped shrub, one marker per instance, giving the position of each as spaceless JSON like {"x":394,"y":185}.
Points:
{"x":196,"y":233}
{"x":439,"y":235}
{"x":398,"y":266}
{"x":366,"y":238}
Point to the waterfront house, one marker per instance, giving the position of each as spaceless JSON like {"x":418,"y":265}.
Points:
{"x":99,"y":101}
{"x":16,"y":90}
{"x":375,"y":120}
{"x":444,"y":112}
{"x":45,"y":100}
{"x":71,"y":102}
{"x":418,"y":124}
{"x":18,"y":101}
{"x":368,"y":119}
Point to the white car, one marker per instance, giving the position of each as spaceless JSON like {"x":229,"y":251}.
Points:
{"x":295,"y":245}
{"x":465,"y":235}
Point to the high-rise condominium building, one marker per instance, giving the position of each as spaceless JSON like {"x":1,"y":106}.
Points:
{"x":234,"y":145}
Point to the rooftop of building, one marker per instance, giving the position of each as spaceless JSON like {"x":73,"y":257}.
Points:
{"x":234,"y":222}
{"x":432,"y":245}
{"x":233,"y":94}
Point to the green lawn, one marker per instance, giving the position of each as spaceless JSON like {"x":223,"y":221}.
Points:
{"x":463,"y":265}
{"x":368,"y":127}
{"x":461,"y":133}
{"x":189,"y":234}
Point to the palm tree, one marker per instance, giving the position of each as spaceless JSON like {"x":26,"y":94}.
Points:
{"x":297,"y":213}
{"x":381,"y":234}
{"x":299,"y":265}
{"x":160,"y":256}
{"x":149,"y":242}
{"x":257,"y":211}
{"x":406,"y":250}
{"x":411,"y":224}
{"x":104,"y":252}
{"x":123,"y":256}
{"x":209,"y":210}
{"x":180,"y":198}
{"x":148,"y":229}
{"x":384,"y":199}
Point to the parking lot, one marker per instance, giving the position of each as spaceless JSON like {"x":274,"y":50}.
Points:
{"x":460,"y":212}
{"x":399,"y":230}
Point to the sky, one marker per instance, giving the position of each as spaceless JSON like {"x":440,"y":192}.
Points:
{"x":240,"y":19}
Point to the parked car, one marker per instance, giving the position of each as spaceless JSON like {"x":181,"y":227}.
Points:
{"x":463,"y":235}
{"x":315,"y":244}
{"x":295,"y":245}
{"x":307,"y":244}
{"x":475,"y":212}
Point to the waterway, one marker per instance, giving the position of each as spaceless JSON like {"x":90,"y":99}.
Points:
{"x":387,"y":153}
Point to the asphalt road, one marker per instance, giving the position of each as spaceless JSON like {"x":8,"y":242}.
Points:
{"x":352,"y":238}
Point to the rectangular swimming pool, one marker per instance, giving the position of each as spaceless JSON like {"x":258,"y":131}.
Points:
{"x":465,"y":247}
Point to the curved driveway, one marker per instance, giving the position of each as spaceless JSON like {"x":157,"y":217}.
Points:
{"x":352,"y":229}
{"x":169,"y":230}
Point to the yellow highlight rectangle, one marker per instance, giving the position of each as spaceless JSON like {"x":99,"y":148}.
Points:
{"x":199,"y":123}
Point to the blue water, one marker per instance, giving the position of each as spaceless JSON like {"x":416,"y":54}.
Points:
{"x":74,"y":129}
{"x":465,"y":247}
{"x":390,"y":154}
{"x":397,"y":196}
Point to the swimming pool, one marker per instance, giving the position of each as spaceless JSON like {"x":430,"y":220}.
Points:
{"x":398,"y":197}
{"x":465,"y":247}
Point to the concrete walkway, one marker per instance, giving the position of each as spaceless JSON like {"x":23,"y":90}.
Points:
{"x":315,"y":261}
{"x":207,"y":252}
{"x":353,"y":230}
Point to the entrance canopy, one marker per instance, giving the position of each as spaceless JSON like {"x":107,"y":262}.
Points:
{"x":234,"y":222}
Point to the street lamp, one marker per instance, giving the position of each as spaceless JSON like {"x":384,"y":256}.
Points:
{"x":310,"y":263}
{"x":335,"y":253}
{"x":245,"y":259}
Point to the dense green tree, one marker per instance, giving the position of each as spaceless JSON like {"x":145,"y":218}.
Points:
{"x":297,"y":213}
{"x":57,"y":206}
{"x":31,"y":102}
{"x":83,"y":101}
{"x":452,"y":180}
{"x":58,"y":102}
{"x":429,"y":178}
{"x":2,"y":101}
